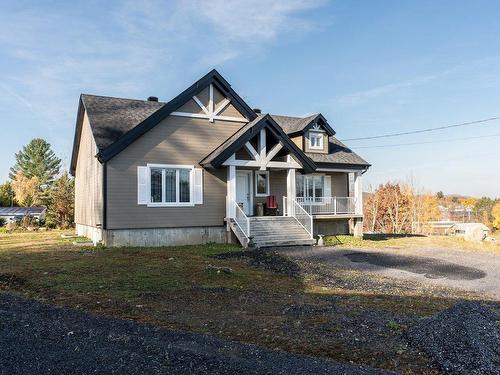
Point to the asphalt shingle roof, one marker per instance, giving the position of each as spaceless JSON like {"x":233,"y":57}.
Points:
{"x":338,"y":154}
{"x":293,"y":124}
{"x":110,"y":118}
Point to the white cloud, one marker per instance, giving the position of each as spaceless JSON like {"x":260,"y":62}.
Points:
{"x":127,"y":49}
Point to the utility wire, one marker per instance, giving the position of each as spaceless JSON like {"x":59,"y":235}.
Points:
{"x":424,"y":130}
{"x":422,"y":143}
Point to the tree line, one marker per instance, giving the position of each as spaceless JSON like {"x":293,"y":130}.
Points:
{"x":399,"y":208}
{"x":36,"y":179}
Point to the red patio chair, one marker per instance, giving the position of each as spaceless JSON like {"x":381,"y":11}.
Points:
{"x":271,"y":205}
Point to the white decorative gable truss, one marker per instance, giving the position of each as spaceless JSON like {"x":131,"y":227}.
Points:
{"x":211,"y":112}
{"x":261,"y":158}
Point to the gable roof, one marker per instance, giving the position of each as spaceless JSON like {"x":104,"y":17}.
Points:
{"x":338,"y":155}
{"x":110,"y":118}
{"x":119,"y":122}
{"x":292,"y":125}
{"x":247,"y":132}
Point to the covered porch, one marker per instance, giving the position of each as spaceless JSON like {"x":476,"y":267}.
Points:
{"x":264,"y":166}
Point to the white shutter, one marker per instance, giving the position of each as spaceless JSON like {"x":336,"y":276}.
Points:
{"x":142,"y":185}
{"x":198,"y":186}
{"x":327,"y":187}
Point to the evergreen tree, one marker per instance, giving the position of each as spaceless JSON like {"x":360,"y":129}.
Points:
{"x":6,"y":195}
{"x":37,"y":159}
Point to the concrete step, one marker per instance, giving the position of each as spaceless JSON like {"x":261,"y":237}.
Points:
{"x":272,"y":231}
{"x":285,"y":243}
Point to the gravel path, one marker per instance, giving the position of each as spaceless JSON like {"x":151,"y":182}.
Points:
{"x":476,"y":271}
{"x":37,"y":338}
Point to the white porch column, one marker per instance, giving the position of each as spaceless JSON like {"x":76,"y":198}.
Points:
{"x":231,"y":191}
{"x":290,"y":189}
{"x":358,"y":195}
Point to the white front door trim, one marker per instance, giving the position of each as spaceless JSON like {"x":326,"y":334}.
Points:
{"x":248,"y":174}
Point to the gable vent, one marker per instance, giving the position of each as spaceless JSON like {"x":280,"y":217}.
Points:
{"x":153,"y":99}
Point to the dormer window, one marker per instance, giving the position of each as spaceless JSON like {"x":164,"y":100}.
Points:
{"x":315,"y":141}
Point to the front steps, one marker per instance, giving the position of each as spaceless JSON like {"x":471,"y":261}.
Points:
{"x":271,"y":231}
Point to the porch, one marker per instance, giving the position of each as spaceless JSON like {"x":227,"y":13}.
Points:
{"x":263,"y":163}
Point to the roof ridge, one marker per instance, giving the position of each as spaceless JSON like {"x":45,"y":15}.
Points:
{"x":117,"y":97}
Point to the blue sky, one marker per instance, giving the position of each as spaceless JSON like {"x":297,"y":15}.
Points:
{"x":371,"y":67}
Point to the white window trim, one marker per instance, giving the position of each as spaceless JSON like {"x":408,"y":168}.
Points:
{"x":177,"y":192}
{"x":320,"y":137}
{"x":267,"y":184}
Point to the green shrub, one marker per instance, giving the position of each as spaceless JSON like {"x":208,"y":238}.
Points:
{"x":2,"y":221}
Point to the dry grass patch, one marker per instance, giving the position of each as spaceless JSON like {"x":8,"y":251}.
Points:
{"x":380,"y":241}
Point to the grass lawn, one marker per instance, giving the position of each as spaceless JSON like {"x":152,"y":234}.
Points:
{"x":378,"y":241}
{"x":339,"y":314}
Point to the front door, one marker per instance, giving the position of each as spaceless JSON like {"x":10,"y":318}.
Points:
{"x":243,"y":190}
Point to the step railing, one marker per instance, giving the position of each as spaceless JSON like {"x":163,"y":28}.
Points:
{"x":328,"y":205}
{"x":240,"y":218}
{"x":292,"y":208}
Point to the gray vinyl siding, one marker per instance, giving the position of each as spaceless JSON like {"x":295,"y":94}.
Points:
{"x":176,"y":140}
{"x":340,"y":184}
{"x":88,"y":180}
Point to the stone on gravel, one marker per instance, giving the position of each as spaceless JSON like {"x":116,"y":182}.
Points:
{"x":464,"y":339}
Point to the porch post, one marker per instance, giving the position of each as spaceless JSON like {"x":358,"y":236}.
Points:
{"x":231,"y":191}
{"x":290,"y":189}
{"x":358,"y":195}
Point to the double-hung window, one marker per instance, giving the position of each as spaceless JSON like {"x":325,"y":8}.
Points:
{"x":170,"y":185}
{"x":316,"y":141}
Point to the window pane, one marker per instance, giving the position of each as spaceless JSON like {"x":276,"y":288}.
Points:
{"x":156,"y":189}
{"x":318,"y":187}
{"x":261,"y":183}
{"x":309,"y":187}
{"x":184,"y":188}
{"x":170,"y":187}
{"x":299,"y":186}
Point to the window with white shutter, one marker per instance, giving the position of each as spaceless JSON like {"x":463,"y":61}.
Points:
{"x":167,"y":185}
{"x":327,"y":190}
{"x":142,"y":185}
{"x":198,"y":186}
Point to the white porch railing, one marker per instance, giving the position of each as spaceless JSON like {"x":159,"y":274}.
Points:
{"x":240,"y":218}
{"x":292,"y":208}
{"x":328,"y":205}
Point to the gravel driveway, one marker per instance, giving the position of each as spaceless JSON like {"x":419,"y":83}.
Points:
{"x":37,"y":338}
{"x":476,"y":271}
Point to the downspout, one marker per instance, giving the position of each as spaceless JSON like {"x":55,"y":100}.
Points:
{"x":104,"y":196}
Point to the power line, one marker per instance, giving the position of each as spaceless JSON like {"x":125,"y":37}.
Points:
{"x":422,"y":143}
{"x":424,"y":130}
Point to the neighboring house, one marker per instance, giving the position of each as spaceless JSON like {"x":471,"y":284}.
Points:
{"x":13,"y":214}
{"x":192,"y":170}
{"x":471,"y":231}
